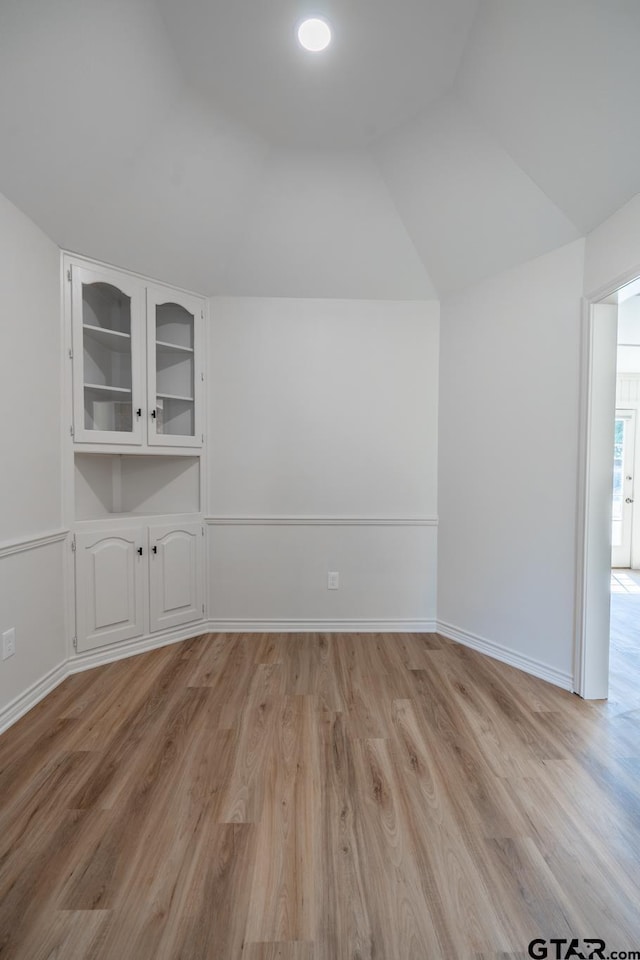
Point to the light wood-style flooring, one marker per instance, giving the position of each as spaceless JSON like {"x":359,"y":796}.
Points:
{"x":317,"y":797}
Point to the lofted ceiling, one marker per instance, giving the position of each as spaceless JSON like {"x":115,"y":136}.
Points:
{"x":431,"y":145}
{"x":387,"y":62}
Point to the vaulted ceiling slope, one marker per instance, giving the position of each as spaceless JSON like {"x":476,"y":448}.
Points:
{"x":433,"y":144}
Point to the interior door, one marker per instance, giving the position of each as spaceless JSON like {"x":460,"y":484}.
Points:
{"x":622,"y":503}
{"x":175,"y":574}
{"x":110,"y":587}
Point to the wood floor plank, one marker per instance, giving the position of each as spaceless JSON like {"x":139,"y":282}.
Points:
{"x":140,"y":719}
{"x":357,"y":670}
{"x":344,"y":926}
{"x":284,"y":888}
{"x":25,"y":826}
{"x":447,"y":872}
{"x":318,"y":797}
{"x":31,"y":894}
{"x":68,"y":934}
{"x":288,"y":950}
{"x":402,"y":924}
{"x":242,"y":796}
{"x":95,"y":881}
{"x":117,"y":694}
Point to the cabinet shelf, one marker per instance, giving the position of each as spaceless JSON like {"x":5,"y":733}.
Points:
{"x":113,"y":340}
{"x":173,"y":396}
{"x":164,"y":347}
{"x":102,"y":388}
{"x":135,"y":516}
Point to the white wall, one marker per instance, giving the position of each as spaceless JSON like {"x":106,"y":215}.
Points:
{"x":31,"y":582}
{"x":629,"y":336}
{"x":509,"y":374}
{"x":468,"y":207}
{"x":323,"y":409}
{"x":32,"y":597}
{"x":323,"y":224}
{"x":29,"y":377}
{"x":613,"y":248}
{"x":629,"y":321}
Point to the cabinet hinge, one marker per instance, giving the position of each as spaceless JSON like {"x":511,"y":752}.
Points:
{"x":70,"y":354}
{"x":73,"y":543}
{"x":202,"y":376}
{"x":202,"y":435}
{"x":69,"y":274}
{"x":71,"y":430}
{"x":75,"y":644}
{"x":202,"y":314}
{"x":203,"y":609}
{"x":202,"y":528}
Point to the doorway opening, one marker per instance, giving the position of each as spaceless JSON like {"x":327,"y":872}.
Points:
{"x":624,"y":648}
{"x":608,"y":585}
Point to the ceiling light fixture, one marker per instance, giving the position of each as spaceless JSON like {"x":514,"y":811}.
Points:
{"x":314,"y":35}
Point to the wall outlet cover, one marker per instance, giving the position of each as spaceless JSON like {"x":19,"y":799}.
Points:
{"x":8,"y":643}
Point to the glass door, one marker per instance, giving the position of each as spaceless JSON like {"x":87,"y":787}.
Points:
{"x":622,"y":501}
{"x":173,"y":354}
{"x":106,"y":312}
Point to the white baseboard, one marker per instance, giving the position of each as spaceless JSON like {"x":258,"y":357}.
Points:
{"x":132,"y":648}
{"x":86,"y":661}
{"x":95,"y":658}
{"x":89,"y":659}
{"x":321,"y":626}
{"x":527,"y":664}
{"x":35,"y":693}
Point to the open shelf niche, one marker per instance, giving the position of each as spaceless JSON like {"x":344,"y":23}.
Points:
{"x":131,"y":485}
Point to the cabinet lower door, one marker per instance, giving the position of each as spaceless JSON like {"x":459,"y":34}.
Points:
{"x":110,"y":587}
{"x":175,"y":575}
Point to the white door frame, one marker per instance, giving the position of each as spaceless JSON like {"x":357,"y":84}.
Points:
{"x":595,"y":478}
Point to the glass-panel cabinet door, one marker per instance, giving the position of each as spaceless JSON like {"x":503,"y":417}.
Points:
{"x":107,"y":315}
{"x":173,"y":364}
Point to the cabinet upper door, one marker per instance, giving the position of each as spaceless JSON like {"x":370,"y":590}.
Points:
{"x":110,"y":587}
{"x":108,"y":326}
{"x":175,"y":574}
{"x":174,"y":367}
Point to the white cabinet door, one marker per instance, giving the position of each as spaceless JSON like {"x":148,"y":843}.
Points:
{"x":107,"y":311}
{"x":175,"y":575}
{"x":110,"y":587}
{"x":174,"y":368}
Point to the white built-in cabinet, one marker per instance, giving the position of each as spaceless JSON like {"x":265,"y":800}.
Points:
{"x":135,"y":459}
{"x":137,"y":360}
{"x":137,"y":580}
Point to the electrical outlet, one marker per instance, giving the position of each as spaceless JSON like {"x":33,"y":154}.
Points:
{"x":333,"y":580}
{"x":8,"y":643}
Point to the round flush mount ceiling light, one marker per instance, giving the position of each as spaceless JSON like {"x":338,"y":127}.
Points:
{"x":314,"y":35}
